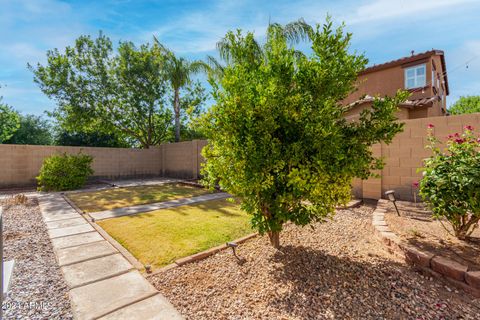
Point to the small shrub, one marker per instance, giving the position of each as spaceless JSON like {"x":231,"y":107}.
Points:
{"x":451,"y":181}
{"x":64,"y":172}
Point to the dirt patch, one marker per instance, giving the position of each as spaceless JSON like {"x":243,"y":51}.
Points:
{"x":336,"y":270}
{"x":417,"y":227}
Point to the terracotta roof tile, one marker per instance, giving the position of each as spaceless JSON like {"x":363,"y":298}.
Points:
{"x":408,"y":103}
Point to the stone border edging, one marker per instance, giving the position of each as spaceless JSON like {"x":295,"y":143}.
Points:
{"x":136,"y":263}
{"x":96,"y":273}
{"x":200,"y":255}
{"x":124,"y":252}
{"x":437,"y":266}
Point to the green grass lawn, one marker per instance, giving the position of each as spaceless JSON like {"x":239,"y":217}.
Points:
{"x":124,"y":197}
{"x":160,"y":237}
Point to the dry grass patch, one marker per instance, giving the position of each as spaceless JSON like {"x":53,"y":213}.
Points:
{"x":160,"y":237}
{"x":95,"y":201}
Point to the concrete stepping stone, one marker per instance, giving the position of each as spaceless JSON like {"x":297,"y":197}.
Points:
{"x":68,"y":231}
{"x":101,"y":281}
{"x":76,"y":240}
{"x":127,"y":211}
{"x":153,"y":308}
{"x":84,"y":252}
{"x":89,"y":271}
{"x":57,"y":217}
{"x":100,"y":298}
{"x":66,"y":223}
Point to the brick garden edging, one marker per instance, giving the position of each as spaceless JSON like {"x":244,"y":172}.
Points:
{"x":437,"y":266}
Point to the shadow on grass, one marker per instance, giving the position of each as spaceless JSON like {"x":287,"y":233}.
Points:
{"x":218,"y":206}
{"x":128,"y":196}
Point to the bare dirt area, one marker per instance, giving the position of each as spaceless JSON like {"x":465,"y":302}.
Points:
{"x":417,"y":227}
{"x":338,"y":270}
{"x":38,"y":290}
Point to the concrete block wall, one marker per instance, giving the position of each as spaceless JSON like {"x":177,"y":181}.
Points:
{"x":405,"y":155}
{"x":20,"y":164}
{"x":182,"y":159}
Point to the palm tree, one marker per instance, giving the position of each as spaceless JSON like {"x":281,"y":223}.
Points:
{"x":294,"y":32}
{"x":178,"y":71}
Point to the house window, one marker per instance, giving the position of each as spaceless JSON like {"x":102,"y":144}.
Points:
{"x":415,"y":77}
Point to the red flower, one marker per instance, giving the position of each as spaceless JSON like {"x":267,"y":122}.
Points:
{"x":430,"y":126}
{"x":459,"y":141}
{"x":415,"y":184}
{"x":469,"y":128}
{"x":457,"y":135}
{"x":450,"y":136}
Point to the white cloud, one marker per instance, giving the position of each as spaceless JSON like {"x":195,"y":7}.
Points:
{"x":387,"y":9}
{"x":199,"y":31}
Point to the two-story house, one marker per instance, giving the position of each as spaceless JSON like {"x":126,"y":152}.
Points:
{"x":424,"y":75}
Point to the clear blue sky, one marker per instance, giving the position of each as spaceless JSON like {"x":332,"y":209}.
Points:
{"x":382,"y":29}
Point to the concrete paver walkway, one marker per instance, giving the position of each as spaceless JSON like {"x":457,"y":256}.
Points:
{"x":127,"y":211}
{"x":103,"y":284}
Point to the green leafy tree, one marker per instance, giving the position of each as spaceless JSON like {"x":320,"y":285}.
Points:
{"x":9,"y":121}
{"x":277,"y":136}
{"x":98,"y":90}
{"x":33,"y":130}
{"x":451,"y":181}
{"x":468,"y":104}
{"x":90,"y":139}
{"x":179,"y":73}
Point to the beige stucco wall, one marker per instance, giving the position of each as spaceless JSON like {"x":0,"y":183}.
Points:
{"x":406,"y":152}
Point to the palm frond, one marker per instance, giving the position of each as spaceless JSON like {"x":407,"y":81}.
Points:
{"x":224,"y":48}
{"x":294,"y":32}
{"x":164,"y":49}
{"x":297,"y":31}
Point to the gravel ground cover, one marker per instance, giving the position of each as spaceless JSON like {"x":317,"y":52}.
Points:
{"x":416,"y":226}
{"x":38,"y":290}
{"x":338,"y":270}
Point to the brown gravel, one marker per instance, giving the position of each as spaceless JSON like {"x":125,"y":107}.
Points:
{"x":416,"y":226}
{"x":339,"y":270}
{"x":38,"y":290}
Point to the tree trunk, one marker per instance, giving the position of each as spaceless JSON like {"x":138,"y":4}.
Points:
{"x":176,"y":109}
{"x":274,"y":239}
{"x":461,"y":234}
{"x":465,"y":229}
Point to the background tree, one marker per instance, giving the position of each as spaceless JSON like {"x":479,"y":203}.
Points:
{"x":277,"y":136}
{"x":90,"y":139}
{"x":468,"y":104}
{"x":179,"y":72}
{"x":119,"y":93}
{"x":32,"y":130}
{"x":191,"y":108}
{"x":9,"y":121}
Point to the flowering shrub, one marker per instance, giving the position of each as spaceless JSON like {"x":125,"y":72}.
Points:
{"x":451,"y":181}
